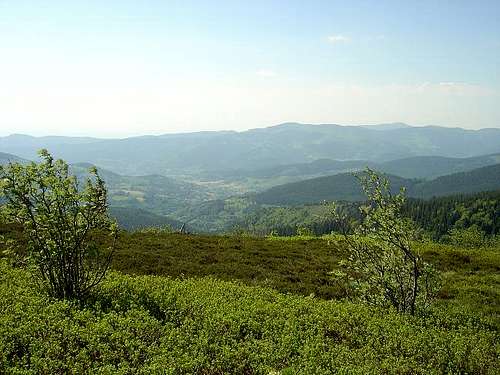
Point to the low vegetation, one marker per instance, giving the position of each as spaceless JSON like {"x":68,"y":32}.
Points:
{"x":153,"y":324}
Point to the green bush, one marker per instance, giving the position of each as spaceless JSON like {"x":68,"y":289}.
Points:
{"x":471,"y":237}
{"x":61,"y":221}
{"x":156,"y":230}
{"x":382,"y":263}
{"x":303,"y":231}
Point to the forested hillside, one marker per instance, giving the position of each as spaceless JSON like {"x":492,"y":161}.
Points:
{"x":476,"y":180}
{"x":9,"y":158}
{"x":437,"y":216}
{"x":180,"y":195}
{"x":429,"y":167}
{"x":346,"y":187}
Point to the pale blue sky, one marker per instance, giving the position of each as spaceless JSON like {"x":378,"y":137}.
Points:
{"x":120,"y":68}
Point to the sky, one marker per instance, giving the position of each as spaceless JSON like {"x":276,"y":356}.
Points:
{"x":123,"y":68}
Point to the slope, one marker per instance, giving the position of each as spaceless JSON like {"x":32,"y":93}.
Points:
{"x":345,"y":187}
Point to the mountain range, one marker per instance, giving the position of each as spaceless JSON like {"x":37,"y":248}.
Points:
{"x":212,"y":180}
{"x":290,"y":143}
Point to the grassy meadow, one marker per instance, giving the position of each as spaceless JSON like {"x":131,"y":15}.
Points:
{"x":192,"y":304}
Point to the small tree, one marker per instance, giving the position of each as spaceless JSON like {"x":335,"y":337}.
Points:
{"x":471,"y":237}
{"x":62,"y":223}
{"x":383,"y":263}
{"x":303,"y":231}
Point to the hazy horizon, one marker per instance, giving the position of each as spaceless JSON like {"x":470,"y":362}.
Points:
{"x":121,"y":69}
{"x":97,"y":136}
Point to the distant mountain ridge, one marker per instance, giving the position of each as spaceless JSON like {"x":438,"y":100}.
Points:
{"x":391,"y":126}
{"x":412,"y":167}
{"x":289,"y":143}
{"x":9,"y":158}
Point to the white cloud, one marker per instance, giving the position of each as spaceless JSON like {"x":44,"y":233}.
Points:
{"x":334,"y":39}
{"x":266,"y":73}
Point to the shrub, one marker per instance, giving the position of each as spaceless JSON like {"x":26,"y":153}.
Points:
{"x":303,"y":231}
{"x":471,"y":237}
{"x":61,"y":223}
{"x":156,"y":230}
{"x":382,"y":262}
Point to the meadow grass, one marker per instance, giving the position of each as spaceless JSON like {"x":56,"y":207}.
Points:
{"x":151,"y":324}
{"x":194,"y":304}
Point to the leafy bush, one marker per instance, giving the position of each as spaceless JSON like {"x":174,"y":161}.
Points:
{"x":60,"y":222}
{"x":303,"y":231}
{"x":156,"y":230}
{"x":382,"y":262}
{"x":471,"y":237}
